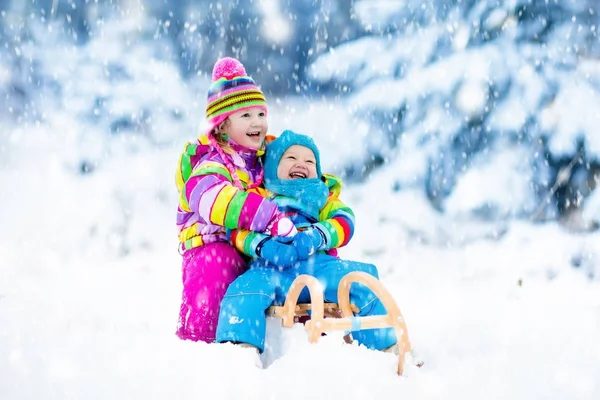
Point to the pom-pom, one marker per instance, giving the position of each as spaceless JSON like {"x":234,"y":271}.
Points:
{"x":228,"y":68}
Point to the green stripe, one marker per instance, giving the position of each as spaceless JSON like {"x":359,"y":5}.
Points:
{"x":334,"y":240}
{"x":186,"y":165}
{"x":236,"y":106}
{"x":235,"y":99}
{"x":207,"y":170}
{"x":251,"y":241}
{"x":234,"y":94}
{"x":234,"y":209}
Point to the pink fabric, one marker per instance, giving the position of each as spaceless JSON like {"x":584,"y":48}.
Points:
{"x":228,"y":68}
{"x":207,"y":272}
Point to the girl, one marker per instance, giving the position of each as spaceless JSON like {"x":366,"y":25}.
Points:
{"x":213,"y":176}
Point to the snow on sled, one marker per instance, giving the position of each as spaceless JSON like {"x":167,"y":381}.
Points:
{"x":341,"y":316}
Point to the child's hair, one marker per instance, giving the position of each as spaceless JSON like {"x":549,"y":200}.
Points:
{"x":220,"y":138}
{"x":222,"y":146}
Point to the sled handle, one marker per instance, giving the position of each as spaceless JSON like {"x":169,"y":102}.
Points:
{"x":315,"y":324}
{"x":393,"y":318}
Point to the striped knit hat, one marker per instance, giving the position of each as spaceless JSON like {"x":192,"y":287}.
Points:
{"x":231,"y":91}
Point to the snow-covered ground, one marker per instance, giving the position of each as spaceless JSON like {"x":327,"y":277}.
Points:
{"x":497,"y":311}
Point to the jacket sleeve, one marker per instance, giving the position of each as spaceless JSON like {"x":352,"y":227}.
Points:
{"x":246,"y":241}
{"x":209,"y":192}
{"x":336,"y":223}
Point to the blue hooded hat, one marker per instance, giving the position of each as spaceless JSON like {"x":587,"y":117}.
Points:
{"x":277,"y":147}
{"x":311,"y":192}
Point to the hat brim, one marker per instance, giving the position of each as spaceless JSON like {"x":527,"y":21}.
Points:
{"x":218,"y":120}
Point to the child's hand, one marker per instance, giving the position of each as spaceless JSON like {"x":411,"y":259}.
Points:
{"x":281,"y":226}
{"x":308,"y":242}
{"x":278,"y":253}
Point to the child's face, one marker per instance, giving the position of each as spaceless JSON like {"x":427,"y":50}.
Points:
{"x":297,"y":162}
{"x":248,"y":127}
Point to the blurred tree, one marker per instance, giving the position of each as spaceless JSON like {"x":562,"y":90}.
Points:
{"x":464,"y":76}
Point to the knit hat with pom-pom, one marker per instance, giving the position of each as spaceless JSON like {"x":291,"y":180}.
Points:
{"x":232,"y":90}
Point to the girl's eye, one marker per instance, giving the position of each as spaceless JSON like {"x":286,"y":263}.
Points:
{"x":246,"y":115}
{"x":310,"y":161}
{"x":262,"y":114}
{"x":291,"y":157}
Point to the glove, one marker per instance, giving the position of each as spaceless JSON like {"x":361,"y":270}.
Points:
{"x":308,"y":242}
{"x":281,"y":226}
{"x":277,"y":253}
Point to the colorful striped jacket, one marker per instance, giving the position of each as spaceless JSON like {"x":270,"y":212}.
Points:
{"x":336,"y":219}
{"x":209,"y":202}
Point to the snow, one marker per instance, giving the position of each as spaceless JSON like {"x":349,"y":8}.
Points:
{"x":491,"y":185}
{"x":90,"y":279}
{"x":275,"y":28}
{"x":375,"y":12}
{"x":471,"y":98}
{"x":578,"y":94}
{"x":497,"y":310}
{"x":334,"y":129}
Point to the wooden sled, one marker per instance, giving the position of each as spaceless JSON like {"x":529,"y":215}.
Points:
{"x":341,"y":316}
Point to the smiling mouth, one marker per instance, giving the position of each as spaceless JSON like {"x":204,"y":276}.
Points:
{"x":253,"y":134}
{"x":297,"y":175}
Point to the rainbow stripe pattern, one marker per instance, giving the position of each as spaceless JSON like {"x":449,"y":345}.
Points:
{"x":336,"y":220}
{"x":230,"y":95}
{"x":209,"y":203}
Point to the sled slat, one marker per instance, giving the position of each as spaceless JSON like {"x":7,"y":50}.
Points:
{"x":330,"y":309}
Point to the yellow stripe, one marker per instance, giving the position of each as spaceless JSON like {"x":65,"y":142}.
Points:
{"x":338,"y":228}
{"x":239,"y":240}
{"x":188,"y":232}
{"x":213,"y":164}
{"x":179,"y":181}
{"x":237,"y":99}
{"x":217,"y":215}
{"x":259,"y":191}
{"x":183,"y":202}
{"x":203,"y":139}
{"x":196,"y":241}
{"x":244,"y":177}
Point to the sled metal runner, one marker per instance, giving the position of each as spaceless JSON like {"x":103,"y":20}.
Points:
{"x":341,"y":315}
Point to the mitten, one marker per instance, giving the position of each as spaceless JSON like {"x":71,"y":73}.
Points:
{"x":281,"y":226}
{"x":277,"y":253}
{"x":308,"y":242}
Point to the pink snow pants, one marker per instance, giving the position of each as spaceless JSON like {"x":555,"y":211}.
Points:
{"x":207,"y":272}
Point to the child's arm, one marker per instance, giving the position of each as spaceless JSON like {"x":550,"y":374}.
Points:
{"x":210,"y":192}
{"x":335,"y":229}
{"x":336,"y":224}
{"x":247,"y":242}
{"x":259,"y":245}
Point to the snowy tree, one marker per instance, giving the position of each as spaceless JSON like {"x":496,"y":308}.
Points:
{"x":477,"y":90}
{"x":83,"y":107}
{"x":275,"y":39}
